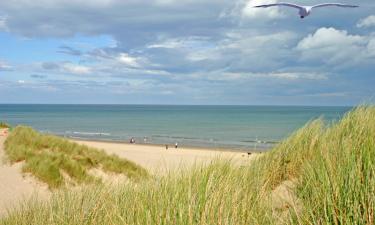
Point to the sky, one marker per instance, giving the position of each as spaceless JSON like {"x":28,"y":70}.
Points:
{"x":216,"y":52}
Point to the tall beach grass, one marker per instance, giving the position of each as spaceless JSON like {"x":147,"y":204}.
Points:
{"x":331,"y":167}
{"x":4,"y":125}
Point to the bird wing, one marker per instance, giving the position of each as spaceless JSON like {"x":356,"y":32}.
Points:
{"x":335,"y":4}
{"x":279,"y":4}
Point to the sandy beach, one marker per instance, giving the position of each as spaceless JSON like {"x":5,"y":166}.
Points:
{"x":157,"y":159}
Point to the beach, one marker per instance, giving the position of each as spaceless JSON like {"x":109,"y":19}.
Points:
{"x":157,"y":159}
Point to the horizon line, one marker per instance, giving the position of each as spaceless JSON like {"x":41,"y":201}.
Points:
{"x":148,"y":104}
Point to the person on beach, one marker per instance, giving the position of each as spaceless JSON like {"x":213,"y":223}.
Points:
{"x":166,"y":147}
{"x":132,"y":141}
{"x":176,"y":145}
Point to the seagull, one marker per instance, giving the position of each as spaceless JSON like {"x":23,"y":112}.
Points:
{"x":305,"y":11}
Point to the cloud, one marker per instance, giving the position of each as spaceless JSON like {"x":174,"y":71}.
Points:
{"x":251,"y":51}
{"x":116,"y":58}
{"x":201,"y":51}
{"x":299,"y":75}
{"x":367,"y":22}
{"x":50,"y":66}
{"x":250,"y":12}
{"x":69,"y":51}
{"x":3,"y":25}
{"x":246,"y":77}
{"x":132,"y":23}
{"x":128,"y":60}
{"x":38,"y":76}
{"x":66,"y":68}
{"x":329,"y":37}
{"x":4,"y":66}
{"x":180,"y":43}
{"x":336,"y":47}
{"x":76,"y":69}
{"x":237,"y":50}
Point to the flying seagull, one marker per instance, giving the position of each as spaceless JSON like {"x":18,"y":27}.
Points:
{"x":305,"y":10}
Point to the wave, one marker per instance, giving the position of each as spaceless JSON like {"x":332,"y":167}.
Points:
{"x":261,"y":141}
{"x":164,"y":138}
{"x":88,"y":133}
{"x":181,"y":137}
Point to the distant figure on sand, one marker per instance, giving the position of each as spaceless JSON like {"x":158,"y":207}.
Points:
{"x":132,"y":141}
{"x":166,"y":147}
{"x":176,"y":145}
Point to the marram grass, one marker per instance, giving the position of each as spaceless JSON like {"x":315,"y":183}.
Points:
{"x":4,"y":125}
{"x":52,"y":159}
{"x":332,"y":168}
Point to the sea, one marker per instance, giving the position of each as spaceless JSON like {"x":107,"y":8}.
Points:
{"x":240,"y":128}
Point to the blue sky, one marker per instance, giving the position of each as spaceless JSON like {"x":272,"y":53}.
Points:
{"x":185,"y":52}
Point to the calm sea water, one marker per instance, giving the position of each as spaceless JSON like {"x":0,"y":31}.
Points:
{"x":237,"y":127}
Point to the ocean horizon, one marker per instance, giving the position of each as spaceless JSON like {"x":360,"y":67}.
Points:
{"x":237,"y":127}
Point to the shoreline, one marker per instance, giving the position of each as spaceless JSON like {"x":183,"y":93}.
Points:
{"x":171,"y":146}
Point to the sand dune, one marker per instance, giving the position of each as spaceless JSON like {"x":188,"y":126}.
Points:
{"x":14,"y":186}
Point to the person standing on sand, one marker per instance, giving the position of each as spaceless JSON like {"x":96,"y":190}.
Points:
{"x":166,"y":147}
{"x":176,"y":145}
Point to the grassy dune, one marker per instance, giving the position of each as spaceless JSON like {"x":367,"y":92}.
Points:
{"x":331,"y":169}
{"x":4,"y":125}
{"x":55,"y":161}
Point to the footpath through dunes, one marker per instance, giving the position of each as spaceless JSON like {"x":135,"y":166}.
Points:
{"x":158,"y":160}
{"x":14,"y":186}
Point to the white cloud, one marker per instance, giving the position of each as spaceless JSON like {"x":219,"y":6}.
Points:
{"x":246,"y":76}
{"x":371,"y":47}
{"x":3,"y":25}
{"x":336,"y":47}
{"x":263,"y":13}
{"x":178,"y":43}
{"x":117,"y":59}
{"x":301,"y":75}
{"x":329,"y":37}
{"x":128,"y":60}
{"x":76,"y":69}
{"x":244,"y":50}
{"x":367,"y":22}
{"x":4,"y":66}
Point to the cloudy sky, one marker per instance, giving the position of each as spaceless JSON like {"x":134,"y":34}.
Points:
{"x":185,"y":52}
